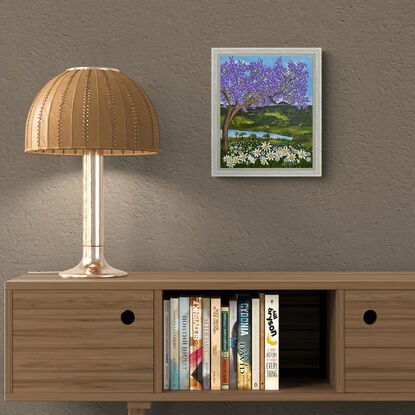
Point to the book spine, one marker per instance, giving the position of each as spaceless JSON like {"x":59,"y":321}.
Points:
{"x":206,"y":343}
{"x":271,"y":342}
{"x":174,"y":344}
{"x":255,"y":344}
{"x":196,"y":343}
{"x":215,"y":317}
{"x":184,"y":343}
{"x":262,"y":339}
{"x":233,"y":338}
{"x":166,"y":351}
{"x":244,"y":343}
{"x":225,"y":347}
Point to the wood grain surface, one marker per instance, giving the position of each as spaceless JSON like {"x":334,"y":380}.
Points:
{"x":75,"y":341}
{"x":65,"y":339}
{"x":226,"y":281}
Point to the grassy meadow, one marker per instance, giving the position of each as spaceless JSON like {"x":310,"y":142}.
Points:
{"x":283,"y":119}
{"x":255,"y":151}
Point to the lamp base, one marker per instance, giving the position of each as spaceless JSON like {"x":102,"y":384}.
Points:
{"x":93,"y":270}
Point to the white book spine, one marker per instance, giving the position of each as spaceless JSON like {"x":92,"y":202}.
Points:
{"x":255,"y":344}
{"x":184,"y":333}
{"x":174,"y":344}
{"x":272,"y":363}
{"x":166,"y":351}
{"x":206,"y":343}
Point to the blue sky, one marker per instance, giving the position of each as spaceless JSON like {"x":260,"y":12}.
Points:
{"x":270,"y":61}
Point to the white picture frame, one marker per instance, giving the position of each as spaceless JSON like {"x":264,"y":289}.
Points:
{"x":217,"y":167}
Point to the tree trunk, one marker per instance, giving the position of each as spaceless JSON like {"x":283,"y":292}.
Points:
{"x":225,"y":128}
{"x":230,"y":113}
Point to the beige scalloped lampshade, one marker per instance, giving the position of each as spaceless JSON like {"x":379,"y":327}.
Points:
{"x":92,"y":108}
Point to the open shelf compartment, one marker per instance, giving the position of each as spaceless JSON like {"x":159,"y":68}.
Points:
{"x":309,"y":342}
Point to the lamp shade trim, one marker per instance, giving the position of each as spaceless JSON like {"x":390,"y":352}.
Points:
{"x":84,"y":68}
{"x":89,"y":108}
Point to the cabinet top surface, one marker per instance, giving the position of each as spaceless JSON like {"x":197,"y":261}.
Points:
{"x":224,"y":281}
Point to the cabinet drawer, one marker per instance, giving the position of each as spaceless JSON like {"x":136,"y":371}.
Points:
{"x":380,"y":370}
{"x":380,"y":351}
{"x":76,"y":341}
{"x":395,"y":318}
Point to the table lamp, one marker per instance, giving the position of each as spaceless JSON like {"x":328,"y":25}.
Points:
{"x":92,"y":112}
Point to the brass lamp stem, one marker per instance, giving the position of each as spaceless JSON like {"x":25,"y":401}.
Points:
{"x":93,"y":217}
{"x":93,"y":263}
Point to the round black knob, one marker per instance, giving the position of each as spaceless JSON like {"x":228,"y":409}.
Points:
{"x":127,"y":317}
{"x":370,"y":316}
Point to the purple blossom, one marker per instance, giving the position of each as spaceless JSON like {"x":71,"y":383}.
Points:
{"x":253,"y":84}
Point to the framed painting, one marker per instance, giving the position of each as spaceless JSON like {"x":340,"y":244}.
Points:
{"x":266,"y":112}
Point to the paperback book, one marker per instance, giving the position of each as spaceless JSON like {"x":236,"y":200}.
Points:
{"x":225,"y":348}
{"x":215,"y":377}
{"x":206,"y":343}
{"x":174,"y":344}
{"x":255,"y":344}
{"x":244,"y":343}
{"x":271,"y":342}
{"x":184,"y":349}
{"x":262,"y":340}
{"x":233,"y":338}
{"x":166,"y":338}
{"x":196,"y":343}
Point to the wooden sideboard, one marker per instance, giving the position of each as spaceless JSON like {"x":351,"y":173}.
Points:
{"x":344,"y":336}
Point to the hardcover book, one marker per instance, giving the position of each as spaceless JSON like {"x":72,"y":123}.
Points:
{"x":184,"y":349}
{"x":174,"y":344}
{"x":225,"y":348}
{"x":166,"y":352}
{"x":215,"y":317}
{"x":255,"y":344}
{"x":262,"y":340}
{"x":196,"y":343}
{"x":233,"y":337}
{"x":271,"y":342}
{"x":206,"y":343}
{"x":244,"y":343}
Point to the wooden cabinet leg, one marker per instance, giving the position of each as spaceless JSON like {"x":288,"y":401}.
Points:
{"x":137,"y":411}
{"x":138,"y":408}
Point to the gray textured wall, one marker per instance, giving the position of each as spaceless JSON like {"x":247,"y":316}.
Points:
{"x":166,"y":212}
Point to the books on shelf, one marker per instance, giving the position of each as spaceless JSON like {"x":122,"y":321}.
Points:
{"x":214,"y":343}
{"x":184,"y":348}
{"x":271,"y":342}
{"x":255,"y":344}
{"x":166,"y":346}
{"x":225,"y":347}
{"x":233,"y":338}
{"x":206,"y":343}
{"x":174,"y":344}
{"x":244,"y":342}
{"x":262,"y":340}
{"x":215,"y":321}
{"x":196,"y":343}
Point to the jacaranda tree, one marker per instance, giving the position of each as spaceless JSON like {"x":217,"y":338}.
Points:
{"x":249,"y":85}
